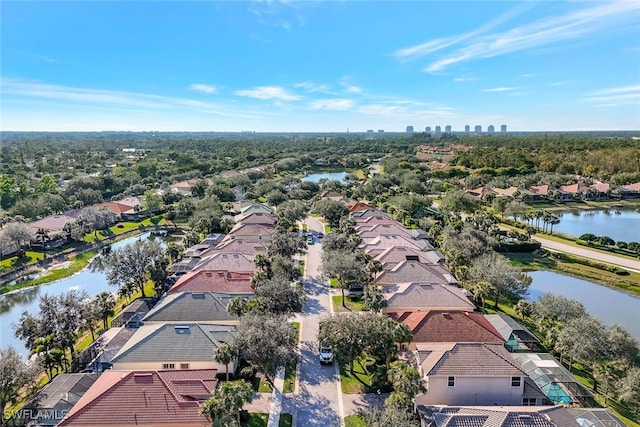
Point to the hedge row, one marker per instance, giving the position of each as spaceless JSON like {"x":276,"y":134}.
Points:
{"x":600,"y":266}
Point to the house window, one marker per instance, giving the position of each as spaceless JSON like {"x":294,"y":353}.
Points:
{"x":515,"y":381}
{"x":168,"y":366}
{"x":529,"y":401}
{"x":451,"y":381}
{"x":184,"y":366}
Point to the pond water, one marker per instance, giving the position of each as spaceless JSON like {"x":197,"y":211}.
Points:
{"x":332,"y":176}
{"x":14,"y":304}
{"x":618,"y":224}
{"x":609,"y":305}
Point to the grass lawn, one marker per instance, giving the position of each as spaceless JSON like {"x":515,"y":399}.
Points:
{"x":257,"y":420}
{"x":264,"y":386}
{"x":289,"y":379}
{"x":352,"y":305}
{"x":357,"y":383}
{"x":29,"y":257}
{"x":296,"y":325}
{"x":354,"y":421}
{"x":286,"y":420}
{"x":334,"y":283}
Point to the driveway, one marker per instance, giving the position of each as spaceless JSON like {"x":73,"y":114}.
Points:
{"x":318,"y":400}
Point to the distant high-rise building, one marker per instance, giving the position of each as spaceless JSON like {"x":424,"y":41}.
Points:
{"x":369,"y":130}
{"x":467,"y":128}
{"x":380,"y":130}
{"x":427,"y":129}
{"x":477,"y":129}
{"x":490,"y":129}
{"x":409,"y":129}
{"x":447,"y":129}
{"x":503,"y":128}
{"x":438,"y":130}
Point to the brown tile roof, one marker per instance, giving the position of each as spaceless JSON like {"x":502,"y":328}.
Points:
{"x":130,"y":201}
{"x":242,"y":229}
{"x":632,"y":187}
{"x":425,"y":296}
{"x":374,"y":219}
{"x":448,"y":326}
{"x":467,"y":360}
{"x":221,"y":281}
{"x":113,"y":207}
{"x":151,"y":398}
{"x":368,"y":232}
{"x":397,"y":254}
{"x":505,"y":191}
{"x":358,"y":206}
{"x":232,"y":261}
{"x":542,"y":190}
{"x":52,"y":223}
{"x":240,"y":246}
{"x":574,"y":188}
{"x":415,"y":271}
{"x":261,"y":218}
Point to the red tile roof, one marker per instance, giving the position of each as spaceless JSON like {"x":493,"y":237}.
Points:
{"x":113,"y":207}
{"x":448,"y":326}
{"x":150,"y":398}
{"x":358,"y":206}
{"x":221,"y":281}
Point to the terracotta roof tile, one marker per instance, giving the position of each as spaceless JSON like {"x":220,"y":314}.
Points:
{"x":222,"y":281}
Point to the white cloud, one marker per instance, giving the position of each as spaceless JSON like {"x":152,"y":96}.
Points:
{"x":549,"y":30}
{"x":313,"y":87}
{"x":268,"y":92}
{"x":332,"y":104}
{"x":614,"y":96}
{"x":348,"y":87}
{"x":203,"y":88}
{"x":465,"y":79}
{"x":499,"y":89}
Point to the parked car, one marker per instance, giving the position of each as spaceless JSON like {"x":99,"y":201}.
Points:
{"x":309,"y":240}
{"x":326,"y":355}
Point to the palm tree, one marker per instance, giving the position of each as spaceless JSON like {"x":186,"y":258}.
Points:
{"x":522,"y":308}
{"x":225,"y":354}
{"x":43,"y":235}
{"x":225,"y":403}
{"x":481,"y":291}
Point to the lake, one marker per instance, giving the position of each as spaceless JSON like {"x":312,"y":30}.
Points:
{"x":619,"y":225}
{"x":332,"y":176}
{"x":14,"y":304}
{"x":607,"y":304}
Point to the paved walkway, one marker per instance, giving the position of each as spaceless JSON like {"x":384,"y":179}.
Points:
{"x":589,"y":253}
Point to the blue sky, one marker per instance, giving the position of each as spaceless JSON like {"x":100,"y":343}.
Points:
{"x":319,"y":66}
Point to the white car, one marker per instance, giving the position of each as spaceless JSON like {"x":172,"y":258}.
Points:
{"x":326,"y":355}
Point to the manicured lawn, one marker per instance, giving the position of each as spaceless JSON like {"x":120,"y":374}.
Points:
{"x":334,"y":282}
{"x":355,"y":383}
{"x":354,"y":421}
{"x":286,"y":420}
{"x":257,"y":420}
{"x":29,"y":257}
{"x":352,"y":305}
{"x":296,"y":325}
{"x":289,"y":379}
{"x":264,"y":386}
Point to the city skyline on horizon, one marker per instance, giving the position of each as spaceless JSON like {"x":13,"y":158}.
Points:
{"x":320,"y":66}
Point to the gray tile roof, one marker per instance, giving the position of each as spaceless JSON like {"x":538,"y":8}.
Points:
{"x":192,"y":307}
{"x":506,"y":325}
{"x":62,"y":392}
{"x":467,"y":360}
{"x":232,"y":261}
{"x":189,"y":342}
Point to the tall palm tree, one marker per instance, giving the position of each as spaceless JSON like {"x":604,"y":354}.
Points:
{"x":522,"y":308}
{"x":225,"y":354}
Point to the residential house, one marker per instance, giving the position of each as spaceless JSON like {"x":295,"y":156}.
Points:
{"x":232,"y":261}
{"x":151,"y":398}
{"x":185,"y":307}
{"x":393,"y":256}
{"x":134,"y":213}
{"x":255,"y":207}
{"x":471,"y":374}
{"x":577,"y":191}
{"x":174,"y":346}
{"x":260,"y":218}
{"x":370,"y":232}
{"x":434,"y":326}
{"x":53,"y":401}
{"x":371,"y":220}
{"x":376,"y":245}
{"x":418,"y":296}
{"x":496,"y":416}
{"x":517,"y":337}
{"x":240,"y":246}
{"x":367,"y":213}
{"x":415,"y":271}
{"x":250,"y":232}
{"x":481,"y":192}
{"x":358,"y":207}
{"x":53,"y":224}
{"x":630,"y":190}
{"x":506,"y":192}
{"x":218,"y":281}
{"x":600,"y":190}
{"x":184,"y":187}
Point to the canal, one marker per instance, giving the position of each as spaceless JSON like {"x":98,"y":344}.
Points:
{"x":12,"y":305}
